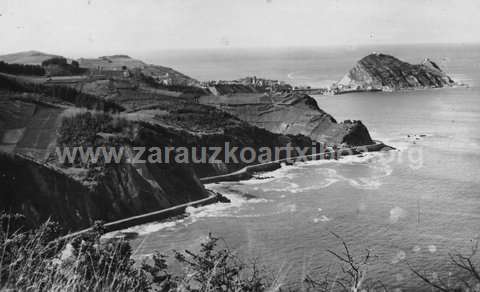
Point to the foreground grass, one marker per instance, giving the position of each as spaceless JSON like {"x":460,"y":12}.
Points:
{"x":36,"y":260}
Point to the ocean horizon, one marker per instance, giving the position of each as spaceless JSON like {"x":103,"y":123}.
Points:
{"x":305,"y":66}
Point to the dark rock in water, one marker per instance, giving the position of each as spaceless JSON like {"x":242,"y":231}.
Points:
{"x":223,"y":199}
{"x":388,"y":148}
{"x":383,"y":72}
{"x":249,"y":196}
{"x":356,"y":134}
{"x":259,"y":177}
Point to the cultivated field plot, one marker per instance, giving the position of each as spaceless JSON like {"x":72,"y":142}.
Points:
{"x":28,"y":128}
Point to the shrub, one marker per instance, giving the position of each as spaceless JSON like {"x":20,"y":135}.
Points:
{"x":81,"y":129}
{"x":214,"y":269}
{"x":58,"y":66}
{"x":35,"y":261}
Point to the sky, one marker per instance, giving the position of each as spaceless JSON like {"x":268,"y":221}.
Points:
{"x":97,"y":27}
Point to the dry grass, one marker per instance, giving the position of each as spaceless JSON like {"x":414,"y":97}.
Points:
{"x":36,"y":261}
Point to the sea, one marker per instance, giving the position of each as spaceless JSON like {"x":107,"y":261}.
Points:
{"x":409,"y":208}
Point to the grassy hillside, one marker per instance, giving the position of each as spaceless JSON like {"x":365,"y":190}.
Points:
{"x":28,"y":57}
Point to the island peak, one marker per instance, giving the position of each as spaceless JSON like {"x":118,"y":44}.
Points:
{"x":383,"y":72}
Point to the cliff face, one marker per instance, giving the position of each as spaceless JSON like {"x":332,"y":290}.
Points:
{"x":40,"y":192}
{"x":215,"y":129}
{"x":384,"y":72}
{"x":291,"y":114}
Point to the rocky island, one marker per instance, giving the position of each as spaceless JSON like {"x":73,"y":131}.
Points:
{"x":382,"y":72}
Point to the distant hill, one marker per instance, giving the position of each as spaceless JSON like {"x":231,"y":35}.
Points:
{"x":108,"y":66}
{"x":384,"y":72}
{"x":161,"y":74}
{"x":28,"y":57}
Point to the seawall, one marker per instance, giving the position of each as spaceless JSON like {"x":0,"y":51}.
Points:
{"x":248,"y":171}
{"x":150,"y":217}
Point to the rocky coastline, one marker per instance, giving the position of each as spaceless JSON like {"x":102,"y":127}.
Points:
{"x":120,"y":101}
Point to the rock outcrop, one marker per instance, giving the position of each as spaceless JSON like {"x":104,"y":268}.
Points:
{"x":292,"y":114}
{"x":377,"y":72}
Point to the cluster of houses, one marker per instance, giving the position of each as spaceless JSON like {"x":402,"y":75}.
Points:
{"x":124,"y":73}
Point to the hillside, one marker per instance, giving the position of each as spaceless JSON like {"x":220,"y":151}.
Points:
{"x":37,"y":184}
{"x":291,"y":113}
{"x":384,"y":72}
{"x":109,"y":65}
{"x":28,"y":57}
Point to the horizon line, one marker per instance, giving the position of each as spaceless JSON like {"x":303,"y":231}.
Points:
{"x":96,"y":54}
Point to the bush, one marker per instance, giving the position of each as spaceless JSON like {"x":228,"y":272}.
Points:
{"x":215,"y":269}
{"x":81,"y":130}
{"x":36,"y":261}
{"x":60,"y":61}
{"x":58,"y":66}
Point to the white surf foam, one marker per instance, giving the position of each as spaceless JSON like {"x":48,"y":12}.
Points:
{"x":148,"y":228}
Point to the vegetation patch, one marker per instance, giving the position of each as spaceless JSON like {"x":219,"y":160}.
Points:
{"x":21,"y":69}
{"x":65,"y":94}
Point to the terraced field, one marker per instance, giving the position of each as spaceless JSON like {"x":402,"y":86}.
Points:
{"x":28,"y":128}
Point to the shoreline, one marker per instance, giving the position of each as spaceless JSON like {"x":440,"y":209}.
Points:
{"x":243,"y":174}
{"x":159,"y":215}
{"x":248,"y":171}
{"x":327,"y":92}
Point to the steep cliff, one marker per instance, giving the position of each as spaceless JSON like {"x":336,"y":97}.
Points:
{"x":384,"y":72}
{"x":293,"y":114}
{"x":40,"y":191}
